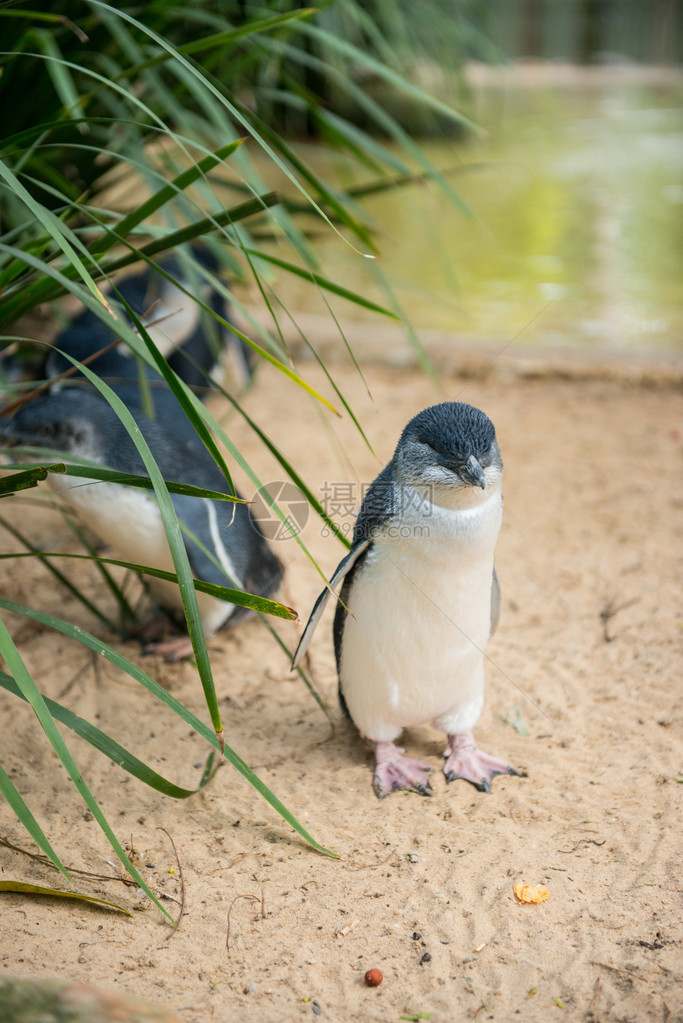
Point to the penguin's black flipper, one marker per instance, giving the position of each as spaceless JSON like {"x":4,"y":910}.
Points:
{"x":344,"y":566}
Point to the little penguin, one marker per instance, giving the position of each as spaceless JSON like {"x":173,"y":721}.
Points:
{"x":81,"y":424}
{"x":183,"y":330}
{"x":420,"y":597}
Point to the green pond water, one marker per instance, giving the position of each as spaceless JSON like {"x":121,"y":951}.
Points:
{"x":576,"y":200}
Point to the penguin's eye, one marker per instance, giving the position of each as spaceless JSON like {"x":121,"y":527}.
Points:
{"x":47,"y":429}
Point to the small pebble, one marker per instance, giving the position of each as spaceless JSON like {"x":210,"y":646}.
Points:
{"x":373,"y":978}
{"x":426,"y":958}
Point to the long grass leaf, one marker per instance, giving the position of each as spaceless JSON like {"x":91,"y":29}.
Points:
{"x":112,"y":749}
{"x":16,"y":803}
{"x":129,"y":479}
{"x":27,"y":478}
{"x":294,"y":476}
{"x":231,"y":107}
{"x":175,"y":542}
{"x":361,"y":57}
{"x":323,"y":282}
{"x":164,"y":195}
{"x":60,"y":74}
{"x":28,"y":687}
{"x":52,"y":225}
{"x":23,"y":888}
{"x":219,"y":39}
{"x":289,"y":654}
{"x":114,"y":657}
{"x":59,"y":283}
{"x":59,"y":576}
{"x":251,"y":601}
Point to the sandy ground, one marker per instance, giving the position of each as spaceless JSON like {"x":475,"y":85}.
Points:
{"x":588,"y":650}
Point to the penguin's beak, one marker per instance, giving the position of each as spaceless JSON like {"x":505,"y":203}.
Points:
{"x":472,"y":472}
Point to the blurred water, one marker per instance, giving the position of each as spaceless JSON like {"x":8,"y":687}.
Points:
{"x":577,"y":201}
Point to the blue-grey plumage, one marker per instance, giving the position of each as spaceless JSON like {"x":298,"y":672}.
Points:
{"x":420,"y":597}
{"x":79,"y":423}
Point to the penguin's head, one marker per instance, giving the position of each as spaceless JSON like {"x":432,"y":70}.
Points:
{"x":451,"y":451}
{"x":67,"y":421}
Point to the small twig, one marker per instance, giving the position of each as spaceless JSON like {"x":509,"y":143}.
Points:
{"x":619,"y":969}
{"x":609,"y":611}
{"x":46,"y":862}
{"x":182,"y":885}
{"x":253,"y":898}
{"x":582,"y":841}
{"x":263,"y":897}
{"x":55,"y":380}
{"x":228,"y":866}
{"x":24,"y":399}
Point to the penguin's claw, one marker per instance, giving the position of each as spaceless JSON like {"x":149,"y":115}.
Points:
{"x":395,"y":772}
{"x":464,"y":760}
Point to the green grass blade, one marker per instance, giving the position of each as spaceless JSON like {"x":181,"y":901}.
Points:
{"x":9,"y":791}
{"x":153,"y":687}
{"x":164,"y":195}
{"x":244,"y":465}
{"x":249,"y":600}
{"x":52,"y":225}
{"x":219,"y":39}
{"x":175,"y":542}
{"x":111,"y":748}
{"x":323,"y":282}
{"x":360,"y":57}
{"x":45,"y":290}
{"x":132,"y":338}
{"x":60,"y":74}
{"x":27,"y":478}
{"x":59,"y":576}
{"x":230,"y":105}
{"x":129,"y":479}
{"x":22,"y":888}
{"x":283,"y":461}
{"x":289,"y":654}
{"x":33,"y":696}
{"x":178,"y":387}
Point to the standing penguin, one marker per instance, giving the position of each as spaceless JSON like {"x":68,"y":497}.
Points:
{"x":420,"y":597}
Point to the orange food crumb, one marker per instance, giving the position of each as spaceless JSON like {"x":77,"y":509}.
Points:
{"x":530,"y":892}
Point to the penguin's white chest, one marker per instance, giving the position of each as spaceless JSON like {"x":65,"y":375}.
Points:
{"x":421,"y":607}
{"x":129,"y":521}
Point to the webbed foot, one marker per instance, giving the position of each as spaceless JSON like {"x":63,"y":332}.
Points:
{"x":395,"y":772}
{"x":465,"y":760}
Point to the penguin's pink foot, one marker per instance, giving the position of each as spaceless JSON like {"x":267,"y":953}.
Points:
{"x":395,"y":772}
{"x":178,"y":648}
{"x":465,"y":760}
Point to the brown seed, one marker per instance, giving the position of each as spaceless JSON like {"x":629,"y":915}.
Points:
{"x":373,"y":978}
